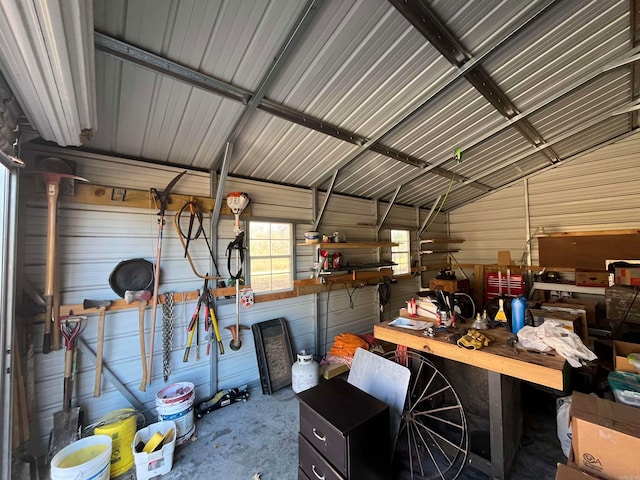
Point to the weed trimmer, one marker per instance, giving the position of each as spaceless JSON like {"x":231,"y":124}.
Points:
{"x":163,"y":199}
{"x":237,"y":202}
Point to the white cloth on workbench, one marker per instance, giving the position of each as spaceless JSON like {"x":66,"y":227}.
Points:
{"x":552,"y":335}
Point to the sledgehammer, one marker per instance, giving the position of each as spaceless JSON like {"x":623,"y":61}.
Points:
{"x":101,"y":305}
{"x":142,"y":297}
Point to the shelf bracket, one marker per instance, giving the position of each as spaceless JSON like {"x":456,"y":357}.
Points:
{"x":386,"y":213}
{"x":426,"y":220}
{"x":326,"y":201}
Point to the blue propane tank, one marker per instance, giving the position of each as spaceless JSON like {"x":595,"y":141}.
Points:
{"x":518,"y":307}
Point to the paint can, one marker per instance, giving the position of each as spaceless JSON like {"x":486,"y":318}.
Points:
{"x":85,"y":459}
{"x":121,"y":426}
{"x":175,"y":403}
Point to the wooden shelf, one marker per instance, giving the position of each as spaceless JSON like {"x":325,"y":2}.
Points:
{"x":343,"y":245}
{"x":440,"y":240}
{"x":429,"y":252}
{"x":568,"y":287}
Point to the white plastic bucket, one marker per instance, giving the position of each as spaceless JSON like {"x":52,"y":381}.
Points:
{"x":175,"y":403}
{"x":85,"y":459}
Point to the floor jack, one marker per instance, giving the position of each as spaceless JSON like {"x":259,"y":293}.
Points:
{"x":222,"y":399}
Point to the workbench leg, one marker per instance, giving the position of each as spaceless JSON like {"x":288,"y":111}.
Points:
{"x":505,"y":420}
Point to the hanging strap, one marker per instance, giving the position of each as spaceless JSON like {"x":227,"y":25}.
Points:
{"x":237,"y":244}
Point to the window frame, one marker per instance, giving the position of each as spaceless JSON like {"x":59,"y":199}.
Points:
{"x":395,"y":252}
{"x":291,"y":256}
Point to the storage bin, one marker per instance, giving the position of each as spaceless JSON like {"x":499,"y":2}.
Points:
{"x":152,"y":464}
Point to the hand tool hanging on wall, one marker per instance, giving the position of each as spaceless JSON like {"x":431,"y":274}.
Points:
{"x":163,"y":200}
{"x":101,"y":305}
{"x":193,"y":324}
{"x":214,"y":323}
{"x":237,"y":202}
{"x":142,"y":297}
{"x":195,"y":214}
{"x":67,"y":423}
{"x":52,"y":170}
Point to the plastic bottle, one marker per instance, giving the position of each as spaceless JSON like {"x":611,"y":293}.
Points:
{"x":518,"y":307}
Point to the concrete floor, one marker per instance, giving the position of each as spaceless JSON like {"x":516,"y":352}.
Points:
{"x":257,"y":439}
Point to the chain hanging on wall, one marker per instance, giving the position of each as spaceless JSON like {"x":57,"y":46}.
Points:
{"x":167,"y":334}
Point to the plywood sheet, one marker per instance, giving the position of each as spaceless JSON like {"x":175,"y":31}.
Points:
{"x":589,"y":251}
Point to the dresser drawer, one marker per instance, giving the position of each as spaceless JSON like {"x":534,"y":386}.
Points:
{"x":324,"y":437}
{"x":314,"y":465}
{"x":302,"y":475}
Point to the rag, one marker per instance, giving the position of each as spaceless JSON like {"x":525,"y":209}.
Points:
{"x":552,"y":335}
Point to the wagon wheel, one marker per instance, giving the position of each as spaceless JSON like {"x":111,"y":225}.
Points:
{"x":433,"y":441}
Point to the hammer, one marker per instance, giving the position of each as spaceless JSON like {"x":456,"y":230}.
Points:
{"x":101,"y":305}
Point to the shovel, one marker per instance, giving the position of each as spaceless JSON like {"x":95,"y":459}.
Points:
{"x":67,"y":423}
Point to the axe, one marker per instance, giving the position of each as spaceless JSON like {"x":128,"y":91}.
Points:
{"x":101,"y":305}
{"x":52,"y":183}
{"x":142,"y":297}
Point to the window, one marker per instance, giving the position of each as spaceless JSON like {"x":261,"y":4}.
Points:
{"x":270,"y":256}
{"x":401,"y":254}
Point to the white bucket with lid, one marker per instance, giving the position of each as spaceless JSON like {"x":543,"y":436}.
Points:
{"x":85,"y":459}
{"x":175,"y":403}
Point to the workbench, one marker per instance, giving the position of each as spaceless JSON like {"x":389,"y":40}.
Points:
{"x":505,"y":369}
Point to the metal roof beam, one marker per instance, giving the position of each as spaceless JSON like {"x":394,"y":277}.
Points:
{"x":426,"y":21}
{"x":567,"y":134}
{"x":553,"y":165}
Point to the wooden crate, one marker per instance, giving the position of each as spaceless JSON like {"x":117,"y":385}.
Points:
{"x":621,"y":300}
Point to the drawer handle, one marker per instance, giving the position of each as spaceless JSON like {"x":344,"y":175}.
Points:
{"x":319,"y":436}
{"x":313,"y":469}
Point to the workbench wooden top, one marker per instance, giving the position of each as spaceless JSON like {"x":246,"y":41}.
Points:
{"x":548,"y":370}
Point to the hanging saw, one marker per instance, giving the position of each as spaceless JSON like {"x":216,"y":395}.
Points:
{"x":195,"y":217}
{"x":163,"y":199}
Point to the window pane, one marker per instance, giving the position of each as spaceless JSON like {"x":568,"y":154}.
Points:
{"x":271,"y":256}
{"x":259,"y":248}
{"x":401,"y":254}
{"x":280,"y":247}
{"x":260,"y":266}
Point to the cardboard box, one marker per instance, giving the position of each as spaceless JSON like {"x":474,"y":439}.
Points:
{"x":571,"y":321}
{"x":620,"y":352}
{"x":628,"y":276}
{"x":571,"y":309}
{"x":605,"y":437}
{"x":586,"y":278}
{"x":571,"y":472}
{"x":589,"y":306}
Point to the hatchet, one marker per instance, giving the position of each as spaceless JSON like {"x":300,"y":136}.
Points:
{"x":101,"y":305}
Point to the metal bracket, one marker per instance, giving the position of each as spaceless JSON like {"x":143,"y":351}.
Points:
{"x":118,"y":194}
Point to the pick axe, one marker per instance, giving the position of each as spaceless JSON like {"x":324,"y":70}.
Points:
{"x":52,"y":182}
{"x":142,"y":297}
{"x":101,"y":305}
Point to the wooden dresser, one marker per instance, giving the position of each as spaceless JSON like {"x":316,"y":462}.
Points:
{"x":344,"y":434}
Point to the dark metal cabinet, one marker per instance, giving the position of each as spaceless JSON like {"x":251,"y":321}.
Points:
{"x":344,"y":434}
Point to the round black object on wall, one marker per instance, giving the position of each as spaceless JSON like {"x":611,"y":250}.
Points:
{"x":134,"y":274}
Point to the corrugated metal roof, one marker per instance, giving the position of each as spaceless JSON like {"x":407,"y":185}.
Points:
{"x":353,"y":86}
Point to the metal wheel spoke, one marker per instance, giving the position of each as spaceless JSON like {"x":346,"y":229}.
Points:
{"x":433,"y":417}
{"x":441,"y":409}
{"x":433,"y":460}
{"x":424,"y":390}
{"x":431,"y":395}
{"x":446,"y":440}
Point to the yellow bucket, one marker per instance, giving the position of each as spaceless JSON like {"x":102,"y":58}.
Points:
{"x":121,"y":426}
